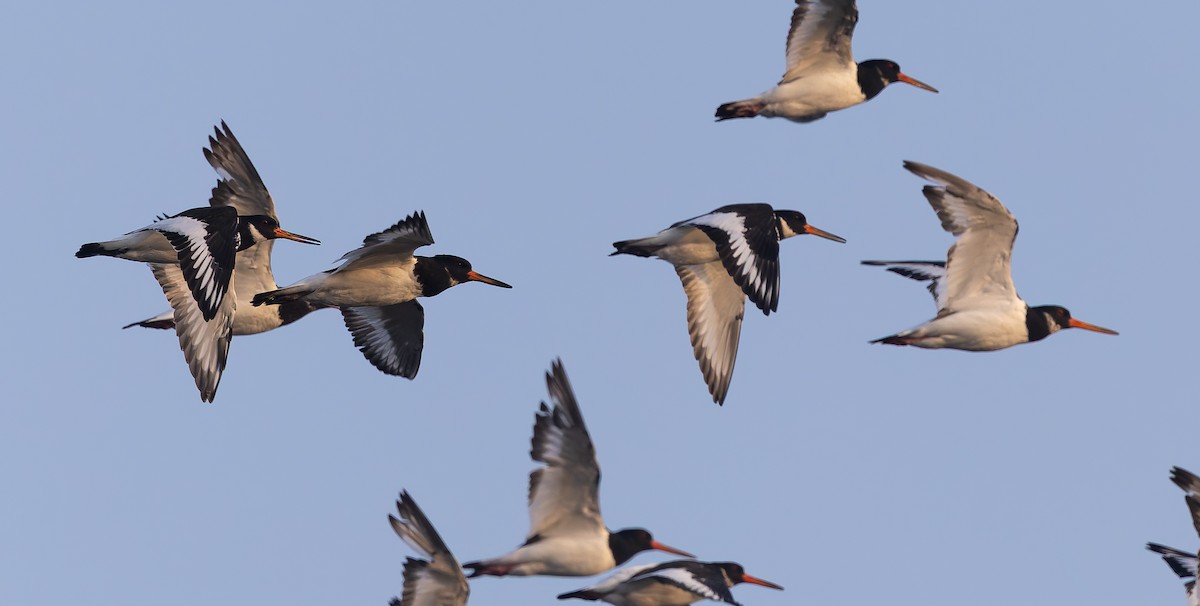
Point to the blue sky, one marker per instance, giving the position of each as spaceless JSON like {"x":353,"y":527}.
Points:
{"x":533,"y":135}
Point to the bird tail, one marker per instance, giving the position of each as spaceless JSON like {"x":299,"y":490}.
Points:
{"x":93,"y":249}
{"x":739,"y":109}
{"x":894,"y":340}
{"x":479,"y":569}
{"x":637,"y":248}
{"x":282,"y":295}
{"x":582,"y":594}
{"x":161,"y":321}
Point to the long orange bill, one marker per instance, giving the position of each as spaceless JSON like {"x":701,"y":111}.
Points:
{"x":1073,"y":323}
{"x":917,"y":83}
{"x":661,"y":547}
{"x":279,"y":233}
{"x":755,"y":581}
{"x":471,"y":275}
{"x":808,"y":229}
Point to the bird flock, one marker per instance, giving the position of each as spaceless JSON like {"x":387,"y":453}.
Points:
{"x":213,"y":265}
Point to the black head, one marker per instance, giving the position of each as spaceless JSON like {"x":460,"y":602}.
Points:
{"x":459,"y":270}
{"x":736,"y":574}
{"x":1045,"y":320}
{"x":876,"y":74}
{"x":629,"y":542}
{"x":256,"y":228}
{"x":793,"y":223}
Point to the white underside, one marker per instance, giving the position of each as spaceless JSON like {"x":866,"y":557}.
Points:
{"x":812,"y":95}
{"x":373,"y":286}
{"x":568,"y":556}
{"x":682,"y":245}
{"x":973,"y":330}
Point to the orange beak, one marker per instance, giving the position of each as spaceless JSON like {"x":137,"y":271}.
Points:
{"x":472,"y":276}
{"x":808,"y":229}
{"x":754,"y":581}
{"x":1073,"y":323}
{"x":917,"y":83}
{"x":279,"y":233}
{"x":661,"y":547}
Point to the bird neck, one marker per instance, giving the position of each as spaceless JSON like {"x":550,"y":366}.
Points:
{"x":871,"y":81}
{"x":247,"y":236}
{"x":1039,"y":324}
{"x":432,"y":276}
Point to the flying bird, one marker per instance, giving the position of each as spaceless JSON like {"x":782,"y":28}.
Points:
{"x":438,"y":581}
{"x":376,"y":287}
{"x":670,"y":584}
{"x":567,"y":536}
{"x":978,"y":306}
{"x":192,"y":256}
{"x":1185,"y":565}
{"x":240,"y":187}
{"x":821,"y":74}
{"x":723,"y":257}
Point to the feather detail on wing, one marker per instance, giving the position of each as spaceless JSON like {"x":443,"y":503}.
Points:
{"x":437,"y":582}
{"x":399,"y":240}
{"x":697,"y":578}
{"x":979,"y":264}
{"x":205,"y":344}
{"x":820,"y":37}
{"x":933,"y":272}
{"x":564,"y":494}
{"x":205,"y":240}
{"x":747,"y":240}
{"x":715,"y":310}
{"x":239,"y":185}
{"x":390,"y":337}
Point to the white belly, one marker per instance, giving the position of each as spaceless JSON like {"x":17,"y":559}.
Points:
{"x":973,"y":330}
{"x":370,"y":286}
{"x":561,"y":557}
{"x":813,"y":95}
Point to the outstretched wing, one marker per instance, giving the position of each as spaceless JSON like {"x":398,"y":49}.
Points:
{"x":1184,"y":565}
{"x":820,"y":36}
{"x":714,"y":311}
{"x":390,"y":337}
{"x":205,"y":342}
{"x":703,"y":580}
{"x":979,"y":264}
{"x":437,"y":582}
{"x":399,"y":240}
{"x":242,"y":188}
{"x":747,"y":240}
{"x":564,"y":494}
{"x":205,"y":240}
{"x":933,"y":272}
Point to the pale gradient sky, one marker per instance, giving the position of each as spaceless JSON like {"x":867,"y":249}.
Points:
{"x":534,"y":134}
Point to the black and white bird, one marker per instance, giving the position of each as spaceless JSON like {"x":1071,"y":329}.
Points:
{"x":670,"y":584}
{"x":1186,"y":565}
{"x":438,"y":581}
{"x":978,"y":306}
{"x":195,"y":276}
{"x":567,"y":536}
{"x":376,"y":287}
{"x":723,"y":257}
{"x":240,"y":187}
{"x":821,"y":74}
